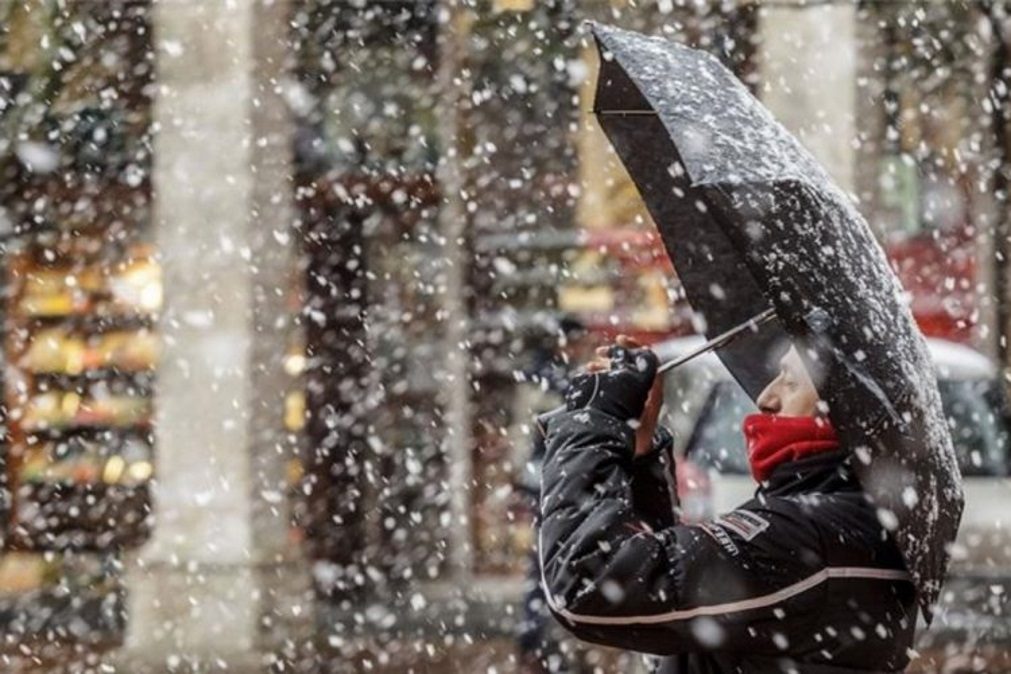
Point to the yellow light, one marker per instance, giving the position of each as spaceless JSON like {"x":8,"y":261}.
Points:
{"x":513,"y":5}
{"x":139,"y":285}
{"x":150,"y":296}
{"x":294,"y":471}
{"x":113,"y":470}
{"x":294,"y":411}
{"x":578,"y":299}
{"x":70,"y":404}
{"x":140,"y":471}
{"x":74,"y":350}
{"x":294,"y":364}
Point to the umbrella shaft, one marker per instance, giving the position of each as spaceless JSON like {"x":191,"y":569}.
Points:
{"x":721,"y":339}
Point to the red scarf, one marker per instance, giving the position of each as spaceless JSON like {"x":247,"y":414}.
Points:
{"x":773,"y":440}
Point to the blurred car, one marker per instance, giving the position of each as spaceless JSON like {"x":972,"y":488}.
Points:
{"x":705,"y":407}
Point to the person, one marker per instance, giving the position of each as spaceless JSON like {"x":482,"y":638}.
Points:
{"x":801,"y":578}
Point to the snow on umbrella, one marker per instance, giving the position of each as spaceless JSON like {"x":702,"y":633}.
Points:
{"x":751,"y":220}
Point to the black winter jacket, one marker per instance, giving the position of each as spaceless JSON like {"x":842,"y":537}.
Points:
{"x":802,"y":578}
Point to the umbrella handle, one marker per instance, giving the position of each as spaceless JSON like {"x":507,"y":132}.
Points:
{"x":722,"y":339}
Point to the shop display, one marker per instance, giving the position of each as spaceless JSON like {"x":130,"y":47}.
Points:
{"x":83,"y":350}
{"x":77,"y":300}
{"x":61,"y":351}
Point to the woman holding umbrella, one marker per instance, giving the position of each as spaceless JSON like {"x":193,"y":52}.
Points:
{"x":802,"y":578}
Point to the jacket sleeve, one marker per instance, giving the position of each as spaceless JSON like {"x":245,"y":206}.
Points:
{"x":611,"y":579}
{"x":654,"y":490}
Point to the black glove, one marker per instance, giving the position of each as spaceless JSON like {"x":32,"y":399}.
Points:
{"x":620,"y":392}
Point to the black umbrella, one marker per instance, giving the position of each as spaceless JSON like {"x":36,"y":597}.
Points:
{"x":752,"y":221}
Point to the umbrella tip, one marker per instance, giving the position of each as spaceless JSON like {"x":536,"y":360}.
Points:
{"x":596,"y":27}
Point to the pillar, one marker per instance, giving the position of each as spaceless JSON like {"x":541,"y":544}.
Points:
{"x":455,"y":380}
{"x":219,"y":586}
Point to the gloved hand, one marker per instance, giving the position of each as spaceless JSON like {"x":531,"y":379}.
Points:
{"x":622,"y":390}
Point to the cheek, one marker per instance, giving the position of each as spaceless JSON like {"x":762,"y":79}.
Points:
{"x":802,"y":403}
{"x":810,"y":403}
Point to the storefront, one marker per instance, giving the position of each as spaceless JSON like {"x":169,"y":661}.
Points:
{"x":81,"y":295}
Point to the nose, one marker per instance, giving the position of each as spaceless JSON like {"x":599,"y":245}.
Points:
{"x":768,"y":400}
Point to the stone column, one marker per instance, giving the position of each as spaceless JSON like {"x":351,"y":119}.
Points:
{"x":453,"y":219}
{"x":219,"y":577}
{"x":808,"y":63}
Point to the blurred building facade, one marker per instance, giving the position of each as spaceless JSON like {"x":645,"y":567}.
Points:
{"x":363,"y":215}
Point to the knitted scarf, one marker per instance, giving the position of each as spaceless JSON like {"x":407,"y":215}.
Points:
{"x":773,"y":440}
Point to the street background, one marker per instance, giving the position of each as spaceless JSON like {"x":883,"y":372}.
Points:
{"x":276,"y":275}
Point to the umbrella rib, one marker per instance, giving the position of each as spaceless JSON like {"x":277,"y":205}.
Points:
{"x":625,"y":112}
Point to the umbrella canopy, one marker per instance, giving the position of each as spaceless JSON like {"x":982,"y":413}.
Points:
{"x":751,"y":221}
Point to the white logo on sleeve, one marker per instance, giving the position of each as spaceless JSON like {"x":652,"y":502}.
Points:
{"x":721,"y":537}
{"x":744,"y":523}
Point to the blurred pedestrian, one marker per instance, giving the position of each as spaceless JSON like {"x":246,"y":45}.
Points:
{"x":551,"y":356}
